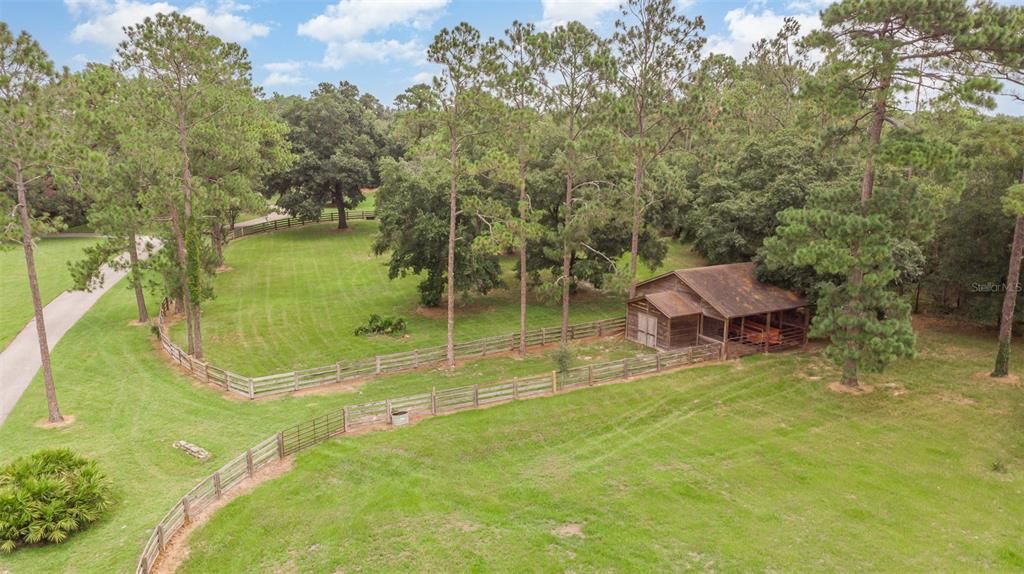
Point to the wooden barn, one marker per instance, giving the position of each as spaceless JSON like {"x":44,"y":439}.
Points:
{"x":716,"y":304}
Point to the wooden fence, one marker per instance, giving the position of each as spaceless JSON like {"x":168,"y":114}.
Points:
{"x":353,"y":417}
{"x":281,"y":383}
{"x":287,"y":223}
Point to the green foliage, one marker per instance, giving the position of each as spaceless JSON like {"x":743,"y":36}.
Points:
{"x":737,"y":207}
{"x":49,"y":495}
{"x":338,"y":140}
{"x":377,"y":325}
{"x":850,"y":247}
{"x":412,"y":207}
{"x":563,"y":357}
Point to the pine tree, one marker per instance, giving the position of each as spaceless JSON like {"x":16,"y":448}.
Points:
{"x":30,"y":135}
{"x":657,"y":49}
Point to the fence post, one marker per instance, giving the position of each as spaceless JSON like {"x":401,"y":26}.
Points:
{"x":590,"y":375}
{"x":515,"y":389}
{"x":186,"y":509}
{"x":206,"y":371}
{"x":600,"y":330}
{"x":415,"y":358}
{"x":280,"y":445}
{"x":216,"y":484}
{"x":625,"y":368}
{"x":337,"y":370}
{"x":387,"y":406}
{"x":658,"y":359}
{"x":248,"y":462}
{"x":554,"y":381}
{"x":543,"y":335}
{"x":476,"y":396}
{"x":433,"y":400}
{"x":252,"y":390}
{"x":344,"y":419}
{"x":295,"y":380}
{"x":160,"y":536}
{"x":377,"y":357}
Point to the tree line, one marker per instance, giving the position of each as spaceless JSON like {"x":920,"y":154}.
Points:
{"x":852,"y":163}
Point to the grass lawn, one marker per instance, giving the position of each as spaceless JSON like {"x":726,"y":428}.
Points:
{"x":292,"y":300}
{"x":754,"y":466}
{"x":52,"y":256}
{"x":130,"y":406}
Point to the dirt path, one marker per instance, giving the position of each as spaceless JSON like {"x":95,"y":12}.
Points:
{"x":20,"y":361}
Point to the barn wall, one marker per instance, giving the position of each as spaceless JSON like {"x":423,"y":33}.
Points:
{"x":664,"y":331}
{"x":713,"y":328}
{"x":684,"y":331}
{"x":667,"y":283}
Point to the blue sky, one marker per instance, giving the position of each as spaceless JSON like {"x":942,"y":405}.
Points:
{"x":377,"y":44}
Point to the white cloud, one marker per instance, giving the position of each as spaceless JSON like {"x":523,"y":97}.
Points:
{"x":105,"y":20}
{"x":353,"y":19}
{"x":422,"y":78}
{"x":746,"y":28}
{"x":589,"y":12}
{"x":284,"y":74}
{"x":351,"y":30}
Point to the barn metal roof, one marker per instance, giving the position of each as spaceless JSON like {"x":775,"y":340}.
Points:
{"x":673,"y":304}
{"x":734,"y":290}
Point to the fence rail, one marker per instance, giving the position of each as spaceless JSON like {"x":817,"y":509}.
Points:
{"x":353,"y":417}
{"x":289,"y":222}
{"x":281,"y":383}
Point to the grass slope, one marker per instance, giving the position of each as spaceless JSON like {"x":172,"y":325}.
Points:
{"x":293,"y":298}
{"x":748,"y":467}
{"x":52,"y":256}
{"x":130,"y":407}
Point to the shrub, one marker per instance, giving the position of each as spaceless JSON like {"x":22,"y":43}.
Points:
{"x":563,"y":357}
{"x":47,"y":496}
{"x":377,"y":325}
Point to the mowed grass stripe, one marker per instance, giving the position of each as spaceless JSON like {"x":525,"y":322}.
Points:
{"x":292,"y":300}
{"x":745,"y":467}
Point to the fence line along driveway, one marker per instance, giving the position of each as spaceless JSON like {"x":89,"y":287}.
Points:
{"x":282,"y":383}
{"x":368,"y":415}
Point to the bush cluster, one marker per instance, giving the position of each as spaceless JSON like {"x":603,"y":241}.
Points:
{"x":377,"y":325}
{"x":47,"y":496}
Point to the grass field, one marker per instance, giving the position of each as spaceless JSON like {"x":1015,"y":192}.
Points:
{"x":748,"y":467}
{"x":292,"y":299}
{"x":130,"y":406}
{"x":52,"y":256}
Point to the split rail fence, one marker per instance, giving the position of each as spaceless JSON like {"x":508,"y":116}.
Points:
{"x":289,"y":222}
{"x":377,"y":413}
{"x":281,"y":383}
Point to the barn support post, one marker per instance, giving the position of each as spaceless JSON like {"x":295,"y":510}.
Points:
{"x":725,"y":338}
{"x":700,"y":328}
{"x":743,"y":331}
{"x":767,"y":329}
{"x":807,"y":325}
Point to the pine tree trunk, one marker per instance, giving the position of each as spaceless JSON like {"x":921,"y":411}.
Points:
{"x":452,"y":196}
{"x":53,"y":409}
{"x":856,"y":277}
{"x":339,"y":202}
{"x":182,"y":257}
{"x":217,"y":237}
{"x":570,"y":183}
{"x":195,"y":344}
{"x":522,"y":260}
{"x":1002,"y":367}
{"x":136,"y":274}
{"x":634,"y":241}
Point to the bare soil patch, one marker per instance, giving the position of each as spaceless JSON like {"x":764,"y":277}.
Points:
{"x":956,"y":398}
{"x":569,"y":529}
{"x":857,"y":391}
{"x":46,"y":424}
{"x":176,"y":550}
{"x":1011,"y":379}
